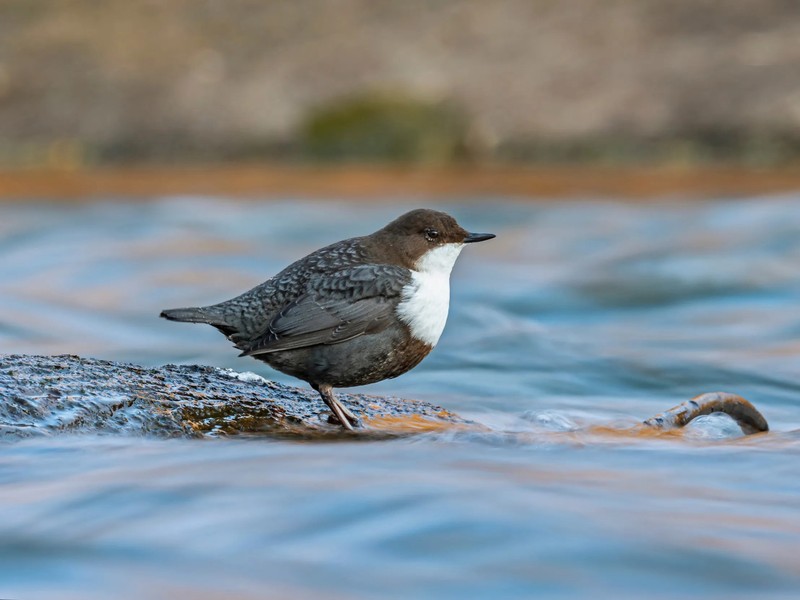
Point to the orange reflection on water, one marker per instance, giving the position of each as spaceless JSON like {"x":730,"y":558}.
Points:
{"x":411,"y":424}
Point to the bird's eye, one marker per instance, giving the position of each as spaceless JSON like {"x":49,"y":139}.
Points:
{"x":431,"y":234}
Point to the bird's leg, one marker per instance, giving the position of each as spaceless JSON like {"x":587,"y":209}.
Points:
{"x":346,"y":418}
{"x":349,"y":414}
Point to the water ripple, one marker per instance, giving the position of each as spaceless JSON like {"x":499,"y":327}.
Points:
{"x":580,"y":319}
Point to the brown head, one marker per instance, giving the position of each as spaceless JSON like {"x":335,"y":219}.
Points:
{"x":411,"y":236}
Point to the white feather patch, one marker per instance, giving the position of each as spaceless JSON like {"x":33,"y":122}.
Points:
{"x":426,"y":300}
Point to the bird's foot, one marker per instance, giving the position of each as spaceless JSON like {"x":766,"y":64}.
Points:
{"x":341,"y":414}
{"x":352,"y":420}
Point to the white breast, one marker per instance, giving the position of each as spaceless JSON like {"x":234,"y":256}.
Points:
{"x":426,"y":299}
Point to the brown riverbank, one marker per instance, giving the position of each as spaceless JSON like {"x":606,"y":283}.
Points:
{"x":368,"y":182}
{"x":121,"y":80}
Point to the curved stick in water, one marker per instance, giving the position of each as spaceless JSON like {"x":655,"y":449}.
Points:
{"x":745,"y":414}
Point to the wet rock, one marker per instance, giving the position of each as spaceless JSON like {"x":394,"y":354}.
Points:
{"x":47,"y":395}
{"x":42,"y":395}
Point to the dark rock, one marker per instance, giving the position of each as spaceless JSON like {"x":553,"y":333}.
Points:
{"x":41,"y":395}
{"x":47,"y":395}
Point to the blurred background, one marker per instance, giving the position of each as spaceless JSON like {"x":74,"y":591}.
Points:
{"x":423,"y":81}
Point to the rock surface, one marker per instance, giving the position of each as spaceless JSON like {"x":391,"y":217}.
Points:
{"x":41,"y":395}
{"x":47,"y":395}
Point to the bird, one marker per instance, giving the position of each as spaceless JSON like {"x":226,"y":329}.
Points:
{"x":355,"y":312}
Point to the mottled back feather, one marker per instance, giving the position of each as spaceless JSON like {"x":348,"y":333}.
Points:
{"x":334,"y":308}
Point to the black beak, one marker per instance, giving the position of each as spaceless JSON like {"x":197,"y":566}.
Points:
{"x":478,"y":237}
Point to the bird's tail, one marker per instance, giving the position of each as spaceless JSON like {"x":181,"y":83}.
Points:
{"x":201,"y":314}
{"x":194,"y":315}
{"x":188,"y":315}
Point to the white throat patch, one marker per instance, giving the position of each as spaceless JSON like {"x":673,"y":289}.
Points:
{"x":426,"y":300}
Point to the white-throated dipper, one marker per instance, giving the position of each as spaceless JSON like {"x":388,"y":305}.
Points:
{"x":355,"y":312}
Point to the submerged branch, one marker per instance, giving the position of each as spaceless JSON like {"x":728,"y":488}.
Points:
{"x":745,"y":414}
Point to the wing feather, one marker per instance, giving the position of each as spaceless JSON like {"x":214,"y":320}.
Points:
{"x":334,"y":309}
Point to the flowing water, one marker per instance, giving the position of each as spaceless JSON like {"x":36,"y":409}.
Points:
{"x":579,"y":314}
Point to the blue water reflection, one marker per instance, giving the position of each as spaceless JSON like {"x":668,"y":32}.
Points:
{"x":578,"y":314}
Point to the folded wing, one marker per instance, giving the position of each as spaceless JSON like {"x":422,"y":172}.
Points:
{"x":333,"y":309}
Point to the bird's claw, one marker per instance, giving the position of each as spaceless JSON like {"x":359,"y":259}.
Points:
{"x":354,"y":421}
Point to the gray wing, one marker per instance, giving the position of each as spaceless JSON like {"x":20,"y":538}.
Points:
{"x":246,"y":317}
{"x":333,"y":309}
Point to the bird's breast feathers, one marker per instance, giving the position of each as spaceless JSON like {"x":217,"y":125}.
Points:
{"x":426,"y":299}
